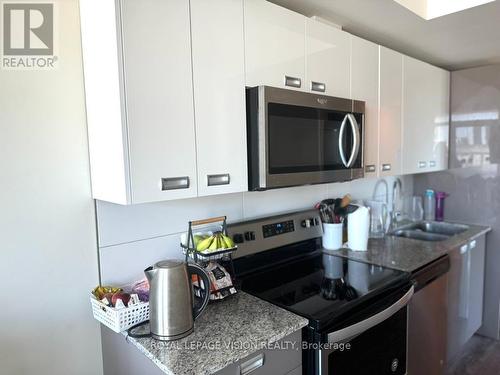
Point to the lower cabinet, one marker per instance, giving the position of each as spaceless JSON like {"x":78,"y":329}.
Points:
{"x":465,"y":294}
{"x":280,"y":361}
{"x":123,"y":358}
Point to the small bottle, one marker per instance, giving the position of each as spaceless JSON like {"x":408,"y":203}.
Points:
{"x":440,"y":196}
{"x":429,"y":205}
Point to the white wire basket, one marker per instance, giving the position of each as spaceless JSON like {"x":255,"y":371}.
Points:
{"x":122,"y":319}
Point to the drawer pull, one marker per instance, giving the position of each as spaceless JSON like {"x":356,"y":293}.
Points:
{"x":472,"y":244}
{"x":318,"y":86}
{"x":293,"y":81}
{"x":218,"y":179}
{"x":386,"y":167}
{"x":422,"y":164}
{"x":432,"y":164}
{"x":174,"y":183}
{"x":252,"y":364}
{"x":370,"y":168}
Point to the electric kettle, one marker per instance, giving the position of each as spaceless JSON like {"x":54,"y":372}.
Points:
{"x":171,"y":310}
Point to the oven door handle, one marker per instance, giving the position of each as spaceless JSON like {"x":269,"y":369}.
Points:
{"x":360,"y":327}
{"x":356,"y":139}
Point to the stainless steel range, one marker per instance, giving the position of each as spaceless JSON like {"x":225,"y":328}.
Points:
{"x":280,"y":259}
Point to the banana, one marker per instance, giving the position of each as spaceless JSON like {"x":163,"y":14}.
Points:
{"x":228,"y":241}
{"x":205,"y":244}
{"x":197,"y":239}
{"x":213,"y":245}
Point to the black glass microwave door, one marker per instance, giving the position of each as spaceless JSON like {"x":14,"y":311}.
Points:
{"x":303,"y":139}
{"x":381,"y":350}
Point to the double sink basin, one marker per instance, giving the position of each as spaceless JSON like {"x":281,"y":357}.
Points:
{"x":433,"y":231}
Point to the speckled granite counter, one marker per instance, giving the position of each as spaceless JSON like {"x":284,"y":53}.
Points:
{"x":408,"y":254}
{"x":226,"y":332}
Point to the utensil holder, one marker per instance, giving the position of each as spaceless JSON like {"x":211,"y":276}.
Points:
{"x":332,"y":236}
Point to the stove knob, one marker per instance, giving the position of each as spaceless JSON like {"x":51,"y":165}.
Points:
{"x":249,"y":236}
{"x":238,"y":238}
{"x":306,"y":223}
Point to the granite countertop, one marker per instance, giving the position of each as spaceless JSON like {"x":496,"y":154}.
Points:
{"x":226,"y":332}
{"x":407,"y":254}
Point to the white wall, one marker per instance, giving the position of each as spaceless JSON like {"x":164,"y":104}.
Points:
{"x":48,"y":260}
{"x":133,"y":237}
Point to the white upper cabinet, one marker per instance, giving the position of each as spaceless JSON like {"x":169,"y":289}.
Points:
{"x":274,"y":46}
{"x":139,"y":99}
{"x":426,"y":117}
{"x":390,"y":115}
{"x":219,"y":95}
{"x":327,"y":59}
{"x":364,"y":86}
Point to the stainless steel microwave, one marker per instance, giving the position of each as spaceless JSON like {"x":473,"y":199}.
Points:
{"x":297,"y":138}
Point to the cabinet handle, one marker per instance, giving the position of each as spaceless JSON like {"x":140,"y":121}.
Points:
{"x":432,"y":163}
{"x":174,"y":183}
{"x":422,"y":164}
{"x":218,"y":179}
{"x":252,"y":364}
{"x":370,"y":168}
{"x":318,"y":86}
{"x":293,"y":81}
{"x":386,"y":167}
{"x":465,"y":284}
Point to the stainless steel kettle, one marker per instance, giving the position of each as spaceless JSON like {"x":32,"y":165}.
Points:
{"x":171,"y":310}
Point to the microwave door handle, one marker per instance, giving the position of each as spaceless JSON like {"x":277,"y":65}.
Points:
{"x":360,"y":327}
{"x":356,"y":140}
{"x":341,"y":138}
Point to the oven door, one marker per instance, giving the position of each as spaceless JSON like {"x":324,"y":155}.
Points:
{"x":305,"y":138}
{"x":377,"y":345}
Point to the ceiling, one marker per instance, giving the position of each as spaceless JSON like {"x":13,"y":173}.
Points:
{"x":460,"y":40}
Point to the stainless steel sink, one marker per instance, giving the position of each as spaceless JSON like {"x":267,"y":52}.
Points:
{"x":429,"y":230}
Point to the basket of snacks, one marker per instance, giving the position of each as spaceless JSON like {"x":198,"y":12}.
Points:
{"x":121,"y":308}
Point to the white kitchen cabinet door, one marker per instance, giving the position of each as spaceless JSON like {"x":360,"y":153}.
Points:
{"x":327,"y":59}
{"x":274,"y":46}
{"x":219,"y":95}
{"x":390,"y":111}
{"x":465,"y":294}
{"x":139,"y":99}
{"x":159,"y":98}
{"x":425,"y":117}
{"x":364,"y":86}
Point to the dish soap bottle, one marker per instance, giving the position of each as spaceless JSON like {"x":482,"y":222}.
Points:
{"x":429,"y":205}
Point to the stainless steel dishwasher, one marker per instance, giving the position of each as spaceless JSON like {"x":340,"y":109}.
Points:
{"x":427,"y":319}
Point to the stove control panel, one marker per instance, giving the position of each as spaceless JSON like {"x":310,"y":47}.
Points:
{"x":267,"y":233}
{"x":275,"y":229}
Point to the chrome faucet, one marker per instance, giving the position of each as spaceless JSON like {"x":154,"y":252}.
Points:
{"x":387,"y":218}
{"x":395,"y":215}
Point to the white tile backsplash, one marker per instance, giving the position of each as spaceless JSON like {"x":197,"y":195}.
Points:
{"x":133,"y":237}
{"x":121,"y":264}
{"x":265,"y":203}
{"x":120,"y":224}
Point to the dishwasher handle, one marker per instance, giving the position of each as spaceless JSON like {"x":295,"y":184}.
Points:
{"x":360,"y":327}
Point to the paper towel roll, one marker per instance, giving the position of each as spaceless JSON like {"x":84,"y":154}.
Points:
{"x":358,"y":228}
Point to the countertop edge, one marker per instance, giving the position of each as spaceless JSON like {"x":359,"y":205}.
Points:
{"x":257,"y":342}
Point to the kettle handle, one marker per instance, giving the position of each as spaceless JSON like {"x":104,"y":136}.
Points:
{"x":205,"y":292}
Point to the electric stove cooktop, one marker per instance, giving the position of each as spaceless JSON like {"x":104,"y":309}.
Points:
{"x":322,"y":287}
